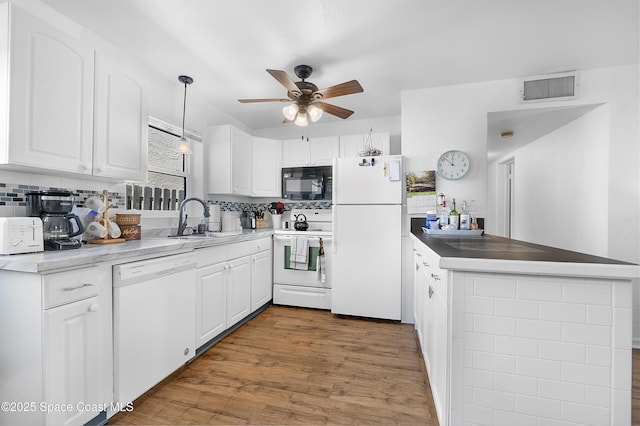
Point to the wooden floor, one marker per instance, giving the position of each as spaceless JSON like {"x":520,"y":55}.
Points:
{"x":297,"y":366}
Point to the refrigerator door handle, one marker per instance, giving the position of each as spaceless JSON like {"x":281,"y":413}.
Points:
{"x":334,"y":216}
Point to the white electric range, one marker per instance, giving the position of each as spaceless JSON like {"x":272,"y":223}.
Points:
{"x":307,"y":285}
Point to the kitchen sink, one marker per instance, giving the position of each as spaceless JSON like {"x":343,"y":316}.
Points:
{"x":206,"y":235}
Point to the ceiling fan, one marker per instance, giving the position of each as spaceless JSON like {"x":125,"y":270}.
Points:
{"x":305,"y":98}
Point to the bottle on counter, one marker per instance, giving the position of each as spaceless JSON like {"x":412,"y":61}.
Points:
{"x":453,"y":216}
{"x":465,"y":218}
{"x":474,"y":224}
{"x":444,"y":212}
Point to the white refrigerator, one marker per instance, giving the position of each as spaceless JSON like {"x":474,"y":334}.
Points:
{"x":367,"y":209}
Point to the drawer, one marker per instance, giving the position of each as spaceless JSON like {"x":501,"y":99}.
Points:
{"x":66,"y":287}
{"x":210,"y":256}
{"x":261,"y":245}
{"x":236,"y":250}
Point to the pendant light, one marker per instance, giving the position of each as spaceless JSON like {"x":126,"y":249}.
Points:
{"x":183,"y":146}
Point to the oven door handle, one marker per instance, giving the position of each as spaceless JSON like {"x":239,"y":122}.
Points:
{"x":289,"y":238}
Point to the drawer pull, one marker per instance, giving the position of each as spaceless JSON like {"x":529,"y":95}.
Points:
{"x":430,"y":292}
{"x":93,"y":307}
{"x":435,"y":277}
{"x":78,"y":287}
{"x":425,"y":264}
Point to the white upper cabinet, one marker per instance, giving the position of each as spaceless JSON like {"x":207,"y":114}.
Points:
{"x":266,"y":160}
{"x":311,"y":152}
{"x":54,"y":88}
{"x":122,"y":117}
{"x":228,"y":161}
{"x":352,"y":145}
{"x":49,"y":123}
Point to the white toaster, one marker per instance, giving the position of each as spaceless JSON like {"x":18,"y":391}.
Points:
{"x":21,"y":235}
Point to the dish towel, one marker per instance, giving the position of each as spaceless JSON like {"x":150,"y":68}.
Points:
{"x":299,"y":253}
{"x":321,"y":266}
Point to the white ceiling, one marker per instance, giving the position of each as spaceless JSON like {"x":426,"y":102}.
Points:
{"x":387,"y":45}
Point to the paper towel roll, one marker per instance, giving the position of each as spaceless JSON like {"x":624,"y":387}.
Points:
{"x":214,"y":213}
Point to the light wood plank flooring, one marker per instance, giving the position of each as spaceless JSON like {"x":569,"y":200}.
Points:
{"x":297,"y":366}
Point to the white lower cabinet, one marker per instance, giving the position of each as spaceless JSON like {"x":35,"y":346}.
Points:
{"x":56,"y":346}
{"x":431,"y":312}
{"x":232,"y":281}
{"x":238,"y":290}
{"x":261,"y":272}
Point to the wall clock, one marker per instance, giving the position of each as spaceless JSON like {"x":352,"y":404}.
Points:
{"x":453,"y":164}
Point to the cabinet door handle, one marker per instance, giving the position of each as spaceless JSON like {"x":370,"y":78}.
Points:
{"x":78,"y":287}
{"x":418,"y":253}
{"x":430,"y":292}
{"x":425,"y":264}
{"x":93,"y":307}
{"x":435,"y":277}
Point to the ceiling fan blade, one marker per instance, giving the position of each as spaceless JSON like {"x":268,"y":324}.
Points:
{"x":246,"y":101}
{"x":342,"y":89}
{"x":284,"y":79}
{"x":334,"y":110}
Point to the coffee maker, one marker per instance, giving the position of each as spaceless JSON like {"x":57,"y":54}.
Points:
{"x":58,"y":223}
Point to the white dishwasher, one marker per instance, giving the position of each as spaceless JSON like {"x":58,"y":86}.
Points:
{"x":154,"y":321}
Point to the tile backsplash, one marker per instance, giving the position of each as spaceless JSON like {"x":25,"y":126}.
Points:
{"x":13,"y":201}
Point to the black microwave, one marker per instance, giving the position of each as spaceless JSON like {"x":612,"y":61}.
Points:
{"x":307,"y":183}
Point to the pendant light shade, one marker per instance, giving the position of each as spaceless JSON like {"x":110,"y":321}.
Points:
{"x":290,"y":111}
{"x":301,"y":119}
{"x":183,"y":146}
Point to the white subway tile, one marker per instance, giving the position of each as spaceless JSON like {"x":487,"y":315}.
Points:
{"x":590,"y":292}
{"x":563,"y":391}
{"x":588,"y":334}
{"x":494,"y":399}
{"x":599,"y":315}
{"x":516,"y":384}
{"x":561,"y":351}
{"x":505,"y":418}
{"x":478,"y":415}
{"x":516,"y":346}
{"x":479,"y":342}
{"x":622,"y":294}
{"x":565,"y":312}
{"x":468,"y":359}
{"x":539,"y":368}
{"x":620,"y":407}
{"x":468,"y":322}
{"x":621,"y":370}
{"x":623,"y":328}
{"x":599,"y":355}
{"x":536,"y":329}
{"x":538,"y":407}
{"x":494,"y":287}
{"x":514,"y":308}
{"x":494,"y":362}
{"x":586,"y":414}
{"x":587,"y":374}
{"x":478,"y":378}
{"x":468,"y":395}
{"x":479,"y":305}
{"x":538,"y":290}
{"x":598,"y":395}
{"x":494,"y":325}
{"x":457,"y":356}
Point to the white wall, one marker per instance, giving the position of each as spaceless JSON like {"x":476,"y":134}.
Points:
{"x":561,"y":183}
{"x":437,"y":119}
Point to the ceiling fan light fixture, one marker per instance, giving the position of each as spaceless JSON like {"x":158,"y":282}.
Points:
{"x":315,"y":112}
{"x":183,"y":146}
{"x":301,"y":119}
{"x":290,"y":111}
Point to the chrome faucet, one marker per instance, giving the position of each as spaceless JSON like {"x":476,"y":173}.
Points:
{"x":182,"y":223}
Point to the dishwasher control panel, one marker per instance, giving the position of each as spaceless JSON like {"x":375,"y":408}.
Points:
{"x":129,"y":273}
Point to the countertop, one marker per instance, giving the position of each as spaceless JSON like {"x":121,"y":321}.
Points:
{"x":88,"y":254}
{"x":491,"y":253}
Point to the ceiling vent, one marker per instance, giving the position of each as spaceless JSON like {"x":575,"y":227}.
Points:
{"x":551,"y":87}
